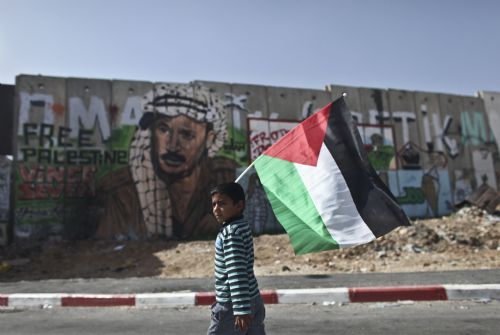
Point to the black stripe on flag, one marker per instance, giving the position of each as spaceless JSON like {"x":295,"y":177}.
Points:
{"x":373,"y":199}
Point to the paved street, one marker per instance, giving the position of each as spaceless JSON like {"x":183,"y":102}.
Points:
{"x":459,"y":317}
{"x":154,"y":284}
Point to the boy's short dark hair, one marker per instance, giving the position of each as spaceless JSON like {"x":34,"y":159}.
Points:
{"x":233,"y":190}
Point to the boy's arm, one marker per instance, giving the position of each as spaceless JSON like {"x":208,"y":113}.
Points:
{"x":236,"y":267}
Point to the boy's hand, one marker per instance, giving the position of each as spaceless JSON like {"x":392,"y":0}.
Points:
{"x":242,"y":322}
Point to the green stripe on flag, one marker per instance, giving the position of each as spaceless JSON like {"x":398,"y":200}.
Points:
{"x":293,"y":205}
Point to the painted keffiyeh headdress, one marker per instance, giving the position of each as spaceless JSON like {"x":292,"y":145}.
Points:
{"x":192,"y":100}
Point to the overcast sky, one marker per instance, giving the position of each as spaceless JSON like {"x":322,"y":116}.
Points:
{"x":438,"y":46}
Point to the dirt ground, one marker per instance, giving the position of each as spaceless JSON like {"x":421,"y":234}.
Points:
{"x":468,"y":239}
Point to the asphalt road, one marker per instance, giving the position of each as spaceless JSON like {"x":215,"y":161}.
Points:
{"x":155,"y":285}
{"x":451,"y":317}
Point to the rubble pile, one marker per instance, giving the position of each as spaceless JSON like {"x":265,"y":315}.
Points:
{"x":467,"y":239}
{"x":469,"y":228}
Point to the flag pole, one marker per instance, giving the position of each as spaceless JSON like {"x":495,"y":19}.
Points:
{"x":244,"y":172}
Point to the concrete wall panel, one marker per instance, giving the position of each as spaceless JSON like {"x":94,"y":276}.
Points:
{"x":312,"y":101}
{"x":295,"y":104}
{"x":375,"y":105}
{"x":39,"y":100}
{"x":492,"y":106}
{"x":421,"y":194}
{"x":89,"y":102}
{"x":491,"y":102}
{"x":7,"y":93}
{"x":429,"y":121}
{"x":402,"y":108}
{"x":352,"y":99}
{"x":235,"y":146}
{"x":459,"y":161}
{"x":126,"y":102}
{"x":246,"y":101}
{"x":75,"y":174}
{"x":285,"y":103}
{"x":42,"y":139}
{"x":478,"y":138}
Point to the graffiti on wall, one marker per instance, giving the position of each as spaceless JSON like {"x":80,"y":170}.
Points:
{"x":258,"y":211}
{"x":164,"y":188}
{"x":5,"y":166}
{"x":235,"y":146}
{"x":146,"y":173}
{"x":265,"y":132}
{"x":484,"y":168}
{"x":379,"y":145}
{"x":462,"y":187}
{"x":437,"y":138}
{"x":474,"y":130}
{"x":422,"y":194}
{"x":140,"y":163}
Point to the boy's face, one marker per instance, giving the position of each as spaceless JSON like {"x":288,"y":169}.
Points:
{"x":224,"y":208}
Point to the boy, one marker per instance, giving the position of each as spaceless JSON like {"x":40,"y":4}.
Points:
{"x":238,"y":308}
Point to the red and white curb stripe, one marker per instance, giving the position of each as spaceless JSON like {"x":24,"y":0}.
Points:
{"x":281,"y":296}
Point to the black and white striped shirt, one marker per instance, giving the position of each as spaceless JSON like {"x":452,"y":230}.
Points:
{"x":234,"y":277}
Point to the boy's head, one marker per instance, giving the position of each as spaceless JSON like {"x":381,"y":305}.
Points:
{"x":228,"y":201}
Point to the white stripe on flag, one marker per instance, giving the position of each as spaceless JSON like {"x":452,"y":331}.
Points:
{"x":334,"y":202}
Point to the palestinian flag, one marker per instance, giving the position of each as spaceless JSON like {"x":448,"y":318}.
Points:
{"x":322,"y":187}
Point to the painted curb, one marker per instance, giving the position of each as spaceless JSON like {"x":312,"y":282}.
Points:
{"x":280,"y":296}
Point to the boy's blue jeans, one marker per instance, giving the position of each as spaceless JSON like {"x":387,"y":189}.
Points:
{"x":222,"y":320}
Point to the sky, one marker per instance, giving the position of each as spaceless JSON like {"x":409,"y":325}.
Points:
{"x":422,"y":45}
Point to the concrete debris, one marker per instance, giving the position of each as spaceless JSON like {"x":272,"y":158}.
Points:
{"x":467,"y":239}
{"x":484,"y":197}
{"x":119,"y":247}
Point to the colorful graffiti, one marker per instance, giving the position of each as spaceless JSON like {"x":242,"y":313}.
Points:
{"x":5,"y":166}
{"x":131,"y":160}
{"x":484,"y":168}
{"x":265,"y":132}
{"x":163,"y":191}
{"x":379,"y":144}
{"x":146,"y":173}
{"x":422,"y":194}
{"x":258,"y":211}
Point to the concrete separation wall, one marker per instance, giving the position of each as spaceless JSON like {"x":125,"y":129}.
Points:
{"x":113,"y":159}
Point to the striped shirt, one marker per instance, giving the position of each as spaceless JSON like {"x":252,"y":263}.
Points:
{"x":234,"y":277}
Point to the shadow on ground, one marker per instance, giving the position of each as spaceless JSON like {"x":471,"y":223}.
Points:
{"x":83,"y":259}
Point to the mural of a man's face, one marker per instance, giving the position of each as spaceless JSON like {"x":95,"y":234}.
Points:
{"x":180,"y":143}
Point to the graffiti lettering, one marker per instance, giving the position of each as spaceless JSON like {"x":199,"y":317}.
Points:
{"x":96,"y":113}
{"x":450,"y":144}
{"x":27,"y":101}
{"x":405,"y":118}
{"x":46,"y":135}
{"x":74,"y":157}
{"x":440,"y":133}
{"x":474,"y":130}
{"x":237,"y":102}
{"x":50,"y":174}
{"x":376,"y":117}
{"x":32,"y":212}
{"x":132,"y":111}
{"x":40,"y":191}
{"x":42,"y":182}
{"x":261,"y":141}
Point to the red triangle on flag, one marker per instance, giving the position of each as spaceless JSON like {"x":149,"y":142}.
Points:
{"x":303,"y":143}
